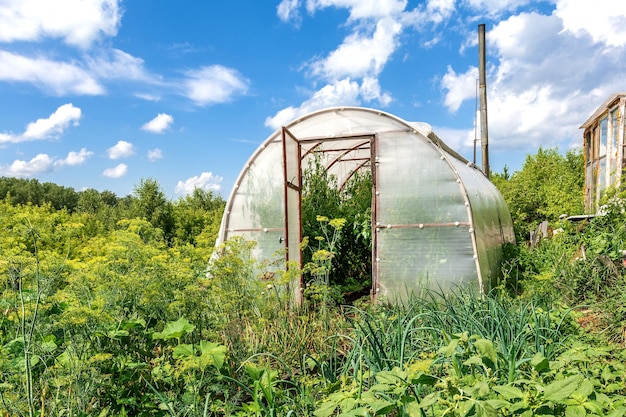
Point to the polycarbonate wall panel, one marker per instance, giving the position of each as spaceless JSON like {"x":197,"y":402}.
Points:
{"x":478,"y":191}
{"x":491,"y":219}
{"x":415,"y":185}
{"x":293,"y":244}
{"x":269,"y":244}
{"x":432,"y":257}
{"x":256,"y":209}
{"x":342,"y":122}
{"x":419,"y":202}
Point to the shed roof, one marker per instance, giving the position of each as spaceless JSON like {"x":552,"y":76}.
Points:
{"x":604,"y":107}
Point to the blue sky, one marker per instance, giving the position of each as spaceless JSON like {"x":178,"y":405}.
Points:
{"x":102,"y":93}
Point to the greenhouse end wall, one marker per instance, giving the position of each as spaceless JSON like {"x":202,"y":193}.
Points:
{"x":437,"y":221}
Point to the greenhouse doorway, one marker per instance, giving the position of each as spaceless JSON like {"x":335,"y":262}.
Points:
{"x":343,"y":158}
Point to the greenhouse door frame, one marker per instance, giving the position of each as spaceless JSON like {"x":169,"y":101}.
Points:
{"x":292,"y":184}
{"x":292,"y":180}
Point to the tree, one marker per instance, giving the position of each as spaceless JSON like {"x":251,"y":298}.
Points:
{"x":24,"y":191}
{"x":60,"y":197}
{"x":197,"y":217}
{"x":550,"y":184}
{"x":21,"y":191}
{"x":150,"y":203}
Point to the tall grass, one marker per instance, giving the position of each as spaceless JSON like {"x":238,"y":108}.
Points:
{"x":394,"y":335}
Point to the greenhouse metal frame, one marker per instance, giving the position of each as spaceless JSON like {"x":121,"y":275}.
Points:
{"x":437,"y":220}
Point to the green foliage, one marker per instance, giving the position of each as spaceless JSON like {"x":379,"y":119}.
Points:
{"x":79,"y":308}
{"x":581,"y":265}
{"x":197,"y":218}
{"x":461,"y":379}
{"x":193,"y":219}
{"x":322,"y":196}
{"x":319,"y":290}
{"x":549,"y":184}
{"x":101,"y":210}
{"x":19,"y":191}
{"x":103,"y":314}
{"x":402,"y":333}
{"x":150,"y":204}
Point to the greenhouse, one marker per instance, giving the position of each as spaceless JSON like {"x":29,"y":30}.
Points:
{"x":437,"y":221}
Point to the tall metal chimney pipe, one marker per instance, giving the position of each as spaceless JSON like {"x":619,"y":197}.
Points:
{"x":484,"y":136}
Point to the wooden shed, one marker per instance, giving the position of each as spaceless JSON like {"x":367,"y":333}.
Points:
{"x":603,"y":142}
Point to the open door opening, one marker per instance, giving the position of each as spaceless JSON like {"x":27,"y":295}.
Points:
{"x":328,"y":179}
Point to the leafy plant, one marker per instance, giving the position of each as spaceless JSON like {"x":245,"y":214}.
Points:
{"x":323,"y":197}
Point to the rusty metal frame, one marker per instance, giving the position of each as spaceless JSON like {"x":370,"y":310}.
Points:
{"x":346,"y":151}
{"x":375,"y":206}
{"x":264,"y":229}
{"x":340,"y":158}
{"x":298,"y":188}
{"x":318,"y":141}
{"x":354,"y":171}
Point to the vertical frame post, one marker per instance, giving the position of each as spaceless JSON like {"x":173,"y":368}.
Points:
{"x":292,"y":175}
{"x":375,"y":223}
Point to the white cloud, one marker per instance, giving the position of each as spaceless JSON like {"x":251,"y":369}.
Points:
{"x":159,"y":124}
{"x":340,"y":93}
{"x":344,"y":92}
{"x":122,"y":149}
{"x":155,"y":154}
{"x":603,"y":20}
{"x":361,"y":55}
{"x":205,"y":181}
{"x":115,"y":172}
{"x":58,"y":78}
{"x":428,"y":15}
{"x":371,"y":91}
{"x":214,"y":84}
{"x":43,"y":163}
{"x":496,"y":7}
{"x":77,"y":22}
{"x":49,"y":128}
{"x":76,"y":158}
{"x":55,"y":124}
{"x":537,"y":117}
{"x":433,"y":12}
{"x":39,"y":164}
{"x":351,"y":71}
{"x":439,"y":10}
{"x":287,"y":11}
{"x":459,"y":87}
{"x":545,"y":77}
{"x":75,"y":77}
{"x":119,"y":65}
{"x":148,"y":97}
{"x":361,"y":9}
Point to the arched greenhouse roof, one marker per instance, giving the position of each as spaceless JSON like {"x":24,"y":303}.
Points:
{"x":437,"y":220}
